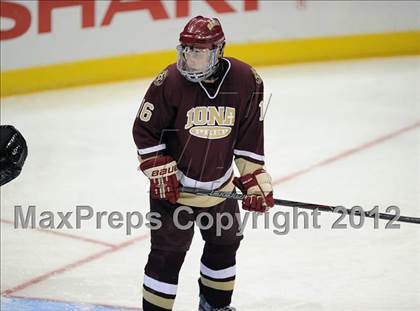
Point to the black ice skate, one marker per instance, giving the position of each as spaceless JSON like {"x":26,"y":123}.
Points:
{"x":205,"y":306}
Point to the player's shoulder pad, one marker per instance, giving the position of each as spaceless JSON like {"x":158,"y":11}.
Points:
{"x":257,"y":77}
{"x":169,"y":73}
{"x":158,"y":81}
{"x":245,"y":71}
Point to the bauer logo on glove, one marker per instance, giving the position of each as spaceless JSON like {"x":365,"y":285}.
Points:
{"x":164,"y":172}
{"x":161,"y":171}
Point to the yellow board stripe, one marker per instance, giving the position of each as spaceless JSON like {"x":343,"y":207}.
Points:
{"x":157,"y":300}
{"x":226,"y":286}
{"x":256,"y":54}
{"x":329,"y":48}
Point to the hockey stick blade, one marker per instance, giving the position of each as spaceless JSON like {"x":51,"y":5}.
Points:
{"x":310,"y":206}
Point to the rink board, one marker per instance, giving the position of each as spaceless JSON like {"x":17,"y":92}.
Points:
{"x":257,"y":54}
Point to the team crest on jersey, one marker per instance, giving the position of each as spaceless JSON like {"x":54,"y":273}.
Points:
{"x":160,"y":78}
{"x":210,"y":122}
{"x":257,"y":76}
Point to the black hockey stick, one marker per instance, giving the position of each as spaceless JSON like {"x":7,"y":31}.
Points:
{"x":311,"y":206}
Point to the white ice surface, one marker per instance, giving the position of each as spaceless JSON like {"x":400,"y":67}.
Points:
{"x":81,"y":153}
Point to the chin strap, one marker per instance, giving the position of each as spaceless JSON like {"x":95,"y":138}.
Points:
{"x":217,"y":74}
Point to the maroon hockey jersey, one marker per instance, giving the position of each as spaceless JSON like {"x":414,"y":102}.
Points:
{"x":203,"y":126}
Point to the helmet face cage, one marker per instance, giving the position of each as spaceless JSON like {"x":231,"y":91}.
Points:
{"x":197,"y":64}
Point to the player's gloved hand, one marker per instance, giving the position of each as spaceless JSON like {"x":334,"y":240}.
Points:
{"x":162,"y":174}
{"x":13,"y":152}
{"x":257,"y":189}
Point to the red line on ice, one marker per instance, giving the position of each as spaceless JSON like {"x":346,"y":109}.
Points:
{"x":67,"y":235}
{"x":73,"y":265}
{"x":347,"y":153}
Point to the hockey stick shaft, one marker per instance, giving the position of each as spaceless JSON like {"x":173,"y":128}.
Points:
{"x":310,"y":206}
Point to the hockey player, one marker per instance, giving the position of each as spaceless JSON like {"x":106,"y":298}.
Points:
{"x":198,"y":116}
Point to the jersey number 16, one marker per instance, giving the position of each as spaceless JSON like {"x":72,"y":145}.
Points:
{"x":145,"y":111}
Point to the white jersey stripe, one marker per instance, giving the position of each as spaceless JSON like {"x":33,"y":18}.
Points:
{"x":218,"y":274}
{"x":159,"y":286}
{"x":248,"y":154}
{"x":151,"y":149}
{"x":206,"y":185}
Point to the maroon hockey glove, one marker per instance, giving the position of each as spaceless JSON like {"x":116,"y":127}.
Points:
{"x":162,"y":174}
{"x":257,"y":189}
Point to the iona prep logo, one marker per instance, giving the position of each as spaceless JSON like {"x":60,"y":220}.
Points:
{"x":212,"y":23}
{"x":210,"y":122}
